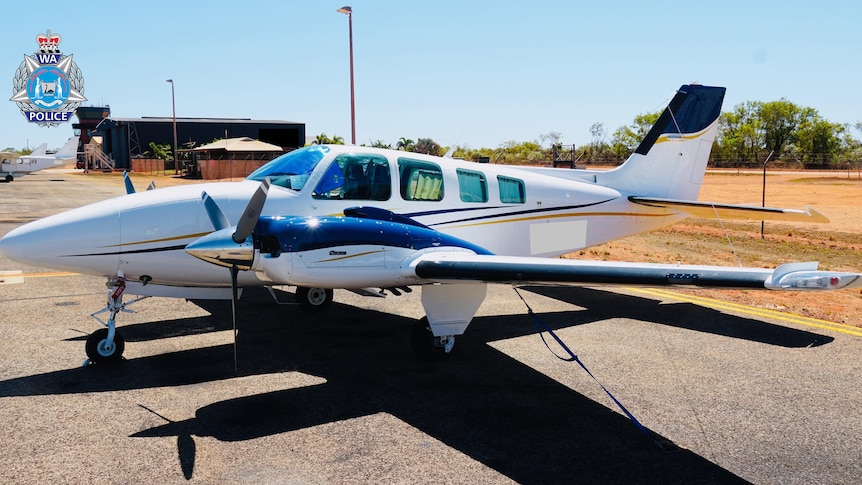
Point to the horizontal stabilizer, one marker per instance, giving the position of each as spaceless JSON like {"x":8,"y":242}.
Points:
{"x":711,"y":210}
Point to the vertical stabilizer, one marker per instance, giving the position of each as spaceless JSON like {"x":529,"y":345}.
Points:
{"x":40,"y":150}
{"x":671,"y":159}
{"x":69,"y":150}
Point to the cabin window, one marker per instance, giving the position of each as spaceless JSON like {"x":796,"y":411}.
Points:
{"x":472,"y":186}
{"x":356,"y":177}
{"x":420,"y":180}
{"x":512,"y":190}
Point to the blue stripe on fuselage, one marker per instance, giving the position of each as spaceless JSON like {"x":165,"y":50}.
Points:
{"x":309,"y":233}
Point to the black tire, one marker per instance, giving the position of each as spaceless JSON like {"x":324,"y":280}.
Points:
{"x":96,"y":351}
{"x":313,"y":300}
{"x":9,"y":178}
{"x":425,"y":345}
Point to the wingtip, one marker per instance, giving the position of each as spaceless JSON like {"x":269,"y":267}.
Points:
{"x":816,"y":216}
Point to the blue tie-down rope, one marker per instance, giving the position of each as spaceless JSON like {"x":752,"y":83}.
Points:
{"x":542,"y":327}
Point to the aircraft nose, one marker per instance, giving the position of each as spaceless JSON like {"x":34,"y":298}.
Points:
{"x":71,"y":241}
{"x":28,"y":244}
{"x":12,"y":243}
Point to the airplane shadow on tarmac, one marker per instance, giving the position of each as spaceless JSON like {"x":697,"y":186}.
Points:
{"x":481,"y":402}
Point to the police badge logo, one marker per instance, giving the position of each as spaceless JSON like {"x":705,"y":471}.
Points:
{"x":48,"y":86}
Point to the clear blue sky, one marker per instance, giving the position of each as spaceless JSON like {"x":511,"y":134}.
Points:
{"x":472,"y":73}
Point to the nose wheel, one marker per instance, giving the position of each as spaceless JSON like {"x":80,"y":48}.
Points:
{"x":106,"y":345}
{"x":101,"y":350}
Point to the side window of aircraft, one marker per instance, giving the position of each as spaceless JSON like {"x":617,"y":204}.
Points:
{"x":420,"y":180}
{"x":472,"y":186}
{"x":356,"y":177}
{"x":512,"y":191}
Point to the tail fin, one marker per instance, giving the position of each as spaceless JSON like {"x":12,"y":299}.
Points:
{"x":69,"y":150}
{"x":671,"y":159}
{"x":40,"y":150}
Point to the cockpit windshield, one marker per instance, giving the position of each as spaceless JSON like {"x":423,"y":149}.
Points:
{"x":292,"y":169}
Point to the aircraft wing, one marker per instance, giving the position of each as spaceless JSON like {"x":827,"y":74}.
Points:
{"x":446,"y":267}
{"x":711,"y":210}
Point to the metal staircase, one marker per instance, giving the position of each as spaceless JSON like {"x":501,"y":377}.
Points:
{"x":94,"y":157}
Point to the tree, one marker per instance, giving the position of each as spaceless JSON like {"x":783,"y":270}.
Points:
{"x":740,"y":133}
{"x":23,"y":151}
{"x":779,"y":120}
{"x":551,"y":137}
{"x":322,"y":139}
{"x":162,"y":151}
{"x":626,"y":139}
{"x":819,"y":140}
{"x":427,"y":146}
{"x":405,"y":144}
{"x":598,"y":132}
{"x":380,"y":144}
{"x":622,"y":144}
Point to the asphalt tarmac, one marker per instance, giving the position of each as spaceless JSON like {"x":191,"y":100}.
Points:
{"x":724,"y":396}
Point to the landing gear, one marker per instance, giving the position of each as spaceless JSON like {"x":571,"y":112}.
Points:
{"x":102,"y":350}
{"x":106,"y":345}
{"x":313,"y":300}
{"x":428,"y":347}
{"x":9,"y":178}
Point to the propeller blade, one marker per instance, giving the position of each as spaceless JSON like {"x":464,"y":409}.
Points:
{"x":251,"y":213}
{"x":233,"y":284}
{"x":217,"y":217}
{"x":130,"y":187}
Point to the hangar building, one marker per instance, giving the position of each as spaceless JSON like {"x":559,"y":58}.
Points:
{"x":127,"y":138}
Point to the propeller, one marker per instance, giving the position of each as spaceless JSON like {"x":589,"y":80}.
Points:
{"x":229,"y":246}
{"x":130,"y":187}
{"x":249,"y":217}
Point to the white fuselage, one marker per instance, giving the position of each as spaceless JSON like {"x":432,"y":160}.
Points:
{"x":27,"y":164}
{"x":145,"y":233}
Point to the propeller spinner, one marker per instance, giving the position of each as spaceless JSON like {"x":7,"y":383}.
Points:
{"x":230,"y":246}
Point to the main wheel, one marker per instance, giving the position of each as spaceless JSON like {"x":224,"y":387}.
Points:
{"x":99,"y":353}
{"x":428,"y":347}
{"x":9,"y":178}
{"x":313,"y":299}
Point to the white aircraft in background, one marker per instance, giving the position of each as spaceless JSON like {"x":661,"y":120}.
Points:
{"x":14,"y":165}
{"x":367,"y":220}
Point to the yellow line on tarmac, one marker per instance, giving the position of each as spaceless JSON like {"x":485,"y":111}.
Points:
{"x":749,"y":310}
{"x":47,"y":275}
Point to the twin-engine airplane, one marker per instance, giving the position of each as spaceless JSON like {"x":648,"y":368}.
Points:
{"x":367,"y":220}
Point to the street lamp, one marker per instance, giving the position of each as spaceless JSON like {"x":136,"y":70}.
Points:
{"x":349,"y":11}
{"x":174,"y":110}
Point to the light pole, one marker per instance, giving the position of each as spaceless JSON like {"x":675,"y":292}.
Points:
{"x":349,"y":11}
{"x":174,"y":111}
